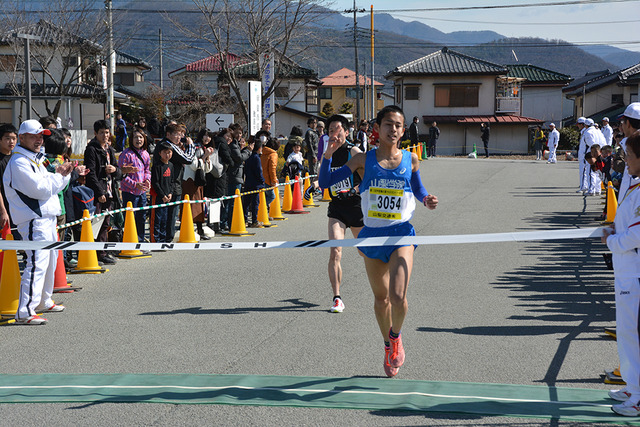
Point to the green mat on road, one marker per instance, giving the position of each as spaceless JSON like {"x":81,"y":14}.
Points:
{"x":567,"y":404}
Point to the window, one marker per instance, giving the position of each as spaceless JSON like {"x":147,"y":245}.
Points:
{"x":616,"y":98}
{"x":399,"y":94}
{"x":412,"y":93}
{"x":325,"y":93}
{"x":456,"y":95}
{"x":281,"y":92}
{"x":124,"y":79}
{"x":10,"y":63}
{"x":351,"y":93}
{"x":139,"y":77}
{"x":70,"y":61}
{"x":312,"y":100}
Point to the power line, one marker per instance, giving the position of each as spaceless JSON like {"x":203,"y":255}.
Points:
{"x":516,"y":23}
{"x":505,"y":6}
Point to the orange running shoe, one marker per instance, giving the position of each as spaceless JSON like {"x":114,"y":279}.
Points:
{"x":396,"y":355}
{"x":388,"y":369}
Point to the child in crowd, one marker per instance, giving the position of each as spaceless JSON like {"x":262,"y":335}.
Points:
{"x":595,"y":179}
{"x":295,"y":162}
{"x":607,"y":159}
{"x":134,"y":185}
{"x":161,"y":192}
{"x":391,"y":182}
{"x":254,"y":180}
{"x":623,"y":240}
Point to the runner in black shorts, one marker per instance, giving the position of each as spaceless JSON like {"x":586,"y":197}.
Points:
{"x":344,"y":209}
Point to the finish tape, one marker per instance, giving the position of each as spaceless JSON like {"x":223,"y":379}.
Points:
{"x":563,"y":234}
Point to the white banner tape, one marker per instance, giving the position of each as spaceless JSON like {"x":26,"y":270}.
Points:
{"x":523,"y":236}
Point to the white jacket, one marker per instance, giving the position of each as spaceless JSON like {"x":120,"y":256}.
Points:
{"x":625,"y":244}
{"x":32,"y":191}
{"x":554,"y":139}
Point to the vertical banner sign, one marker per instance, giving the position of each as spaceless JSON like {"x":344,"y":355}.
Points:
{"x":267,"y":80}
{"x":255,"y":106}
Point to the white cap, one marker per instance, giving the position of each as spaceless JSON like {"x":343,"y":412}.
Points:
{"x":581,"y":120}
{"x":589,"y":122}
{"x":633,"y":111}
{"x":32,"y":127}
{"x":605,"y":119}
{"x":552,"y":125}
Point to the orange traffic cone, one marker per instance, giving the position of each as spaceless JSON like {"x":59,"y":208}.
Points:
{"x":9,"y":283}
{"x":263,"y":213}
{"x":274,"y":210}
{"x":131,"y":235}
{"x":287,"y":199}
{"x":187,"y":233}
{"x":307,"y":183}
{"x":419,"y":151}
{"x":87,"y":259}
{"x":612,"y":204}
{"x":296,"y":203}
{"x":61,"y":284}
{"x":238,"y":226}
{"x":326,"y":197}
{"x":5,"y":232}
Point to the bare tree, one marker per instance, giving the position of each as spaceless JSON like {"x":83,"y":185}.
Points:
{"x":251,"y":29}
{"x":68,"y":57}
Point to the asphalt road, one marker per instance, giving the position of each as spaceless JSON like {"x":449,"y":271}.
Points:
{"x":514,"y":313}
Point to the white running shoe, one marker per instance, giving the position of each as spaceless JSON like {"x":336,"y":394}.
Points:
{"x":630,"y":408}
{"x":621,"y":395}
{"x":338,"y":306}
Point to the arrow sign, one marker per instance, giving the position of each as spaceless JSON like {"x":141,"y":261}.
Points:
{"x":215,"y":122}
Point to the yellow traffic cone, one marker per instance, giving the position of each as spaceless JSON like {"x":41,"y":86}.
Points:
{"x":274,"y":210}
{"x":612,"y":204}
{"x":87,"y":259}
{"x":307,"y":183}
{"x":326,"y":197}
{"x":287,"y":200}
{"x":9,"y":283}
{"x":131,"y":235}
{"x":187,"y":233}
{"x":263,"y":213}
{"x":238,"y":226}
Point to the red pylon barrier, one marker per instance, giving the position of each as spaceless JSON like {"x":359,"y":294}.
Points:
{"x":296,"y":202}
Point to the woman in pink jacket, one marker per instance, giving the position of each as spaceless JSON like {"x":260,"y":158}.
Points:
{"x":135,"y":185}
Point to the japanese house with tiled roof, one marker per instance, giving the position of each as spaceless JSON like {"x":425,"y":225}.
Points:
{"x":340,"y":87}
{"x":64,"y":67}
{"x":459,"y":92}
{"x":603,"y":93}
{"x":296,"y":96}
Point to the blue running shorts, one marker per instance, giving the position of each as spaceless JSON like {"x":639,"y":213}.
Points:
{"x":383,"y":253}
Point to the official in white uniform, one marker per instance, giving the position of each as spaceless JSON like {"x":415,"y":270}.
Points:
{"x":624,"y":242}
{"x":552,"y":142}
{"x":581,"y":152}
{"x":607,"y":131}
{"x":32,"y":193}
{"x":629,"y":124}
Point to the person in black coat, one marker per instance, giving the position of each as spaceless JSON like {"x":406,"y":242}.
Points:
{"x":100,"y":160}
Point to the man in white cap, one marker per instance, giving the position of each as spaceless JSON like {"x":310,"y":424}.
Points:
{"x":629,"y":124}
{"x":581,"y":151}
{"x":32,"y":193}
{"x":607,"y":131}
{"x":552,"y":142}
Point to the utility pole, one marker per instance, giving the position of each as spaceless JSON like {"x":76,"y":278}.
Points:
{"x":355,"y":45}
{"x":160,"y":47}
{"x":27,"y":69}
{"x":110,"y":64}
{"x":373,"y":86}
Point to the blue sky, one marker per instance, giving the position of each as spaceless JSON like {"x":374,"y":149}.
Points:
{"x":616,"y":23}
